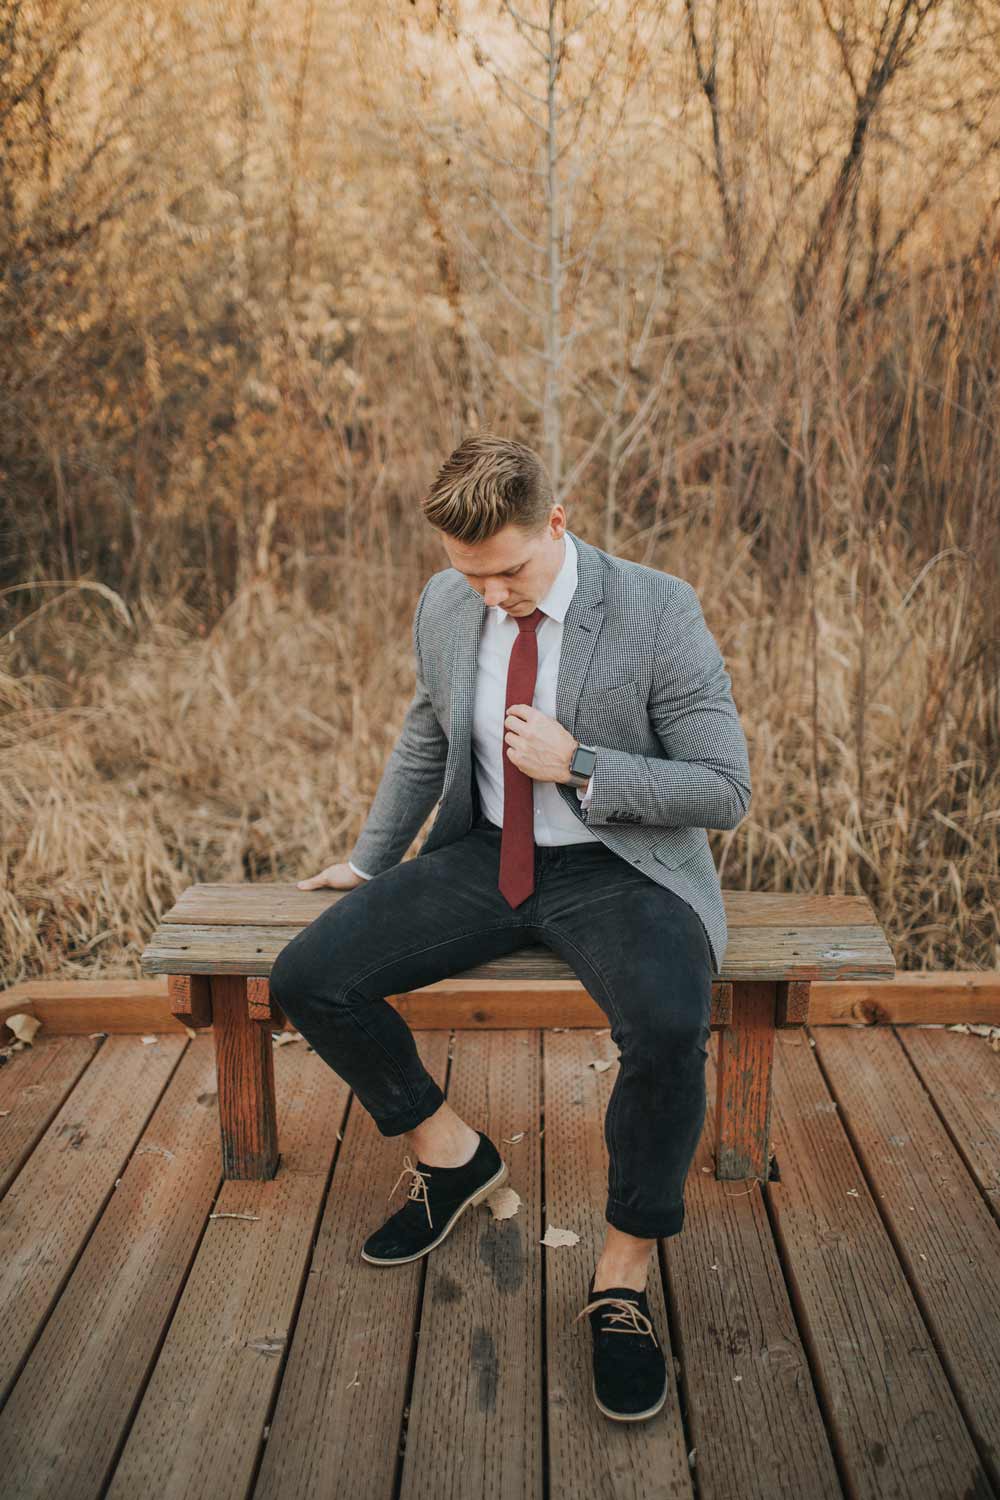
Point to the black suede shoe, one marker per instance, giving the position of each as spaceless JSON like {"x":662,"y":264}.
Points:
{"x":436,"y":1199}
{"x":630,"y":1372}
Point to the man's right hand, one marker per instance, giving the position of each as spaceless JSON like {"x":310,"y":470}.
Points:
{"x":340,"y":877}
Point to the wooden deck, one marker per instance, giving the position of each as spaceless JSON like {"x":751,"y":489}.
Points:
{"x":834,"y":1331}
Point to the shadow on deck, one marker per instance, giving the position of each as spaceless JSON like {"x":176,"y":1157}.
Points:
{"x":834,"y":1331}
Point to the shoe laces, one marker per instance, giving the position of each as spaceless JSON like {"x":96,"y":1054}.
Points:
{"x":418,"y":1186}
{"x":626,"y":1316}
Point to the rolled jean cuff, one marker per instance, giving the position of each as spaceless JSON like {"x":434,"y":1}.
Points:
{"x":429,"y":1102}
{"x":620,"y":1217}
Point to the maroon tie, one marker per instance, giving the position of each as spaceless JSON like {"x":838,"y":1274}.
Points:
{"x":517,"y":841}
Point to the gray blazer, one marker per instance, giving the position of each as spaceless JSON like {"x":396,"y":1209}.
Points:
{"x":640,"y":677}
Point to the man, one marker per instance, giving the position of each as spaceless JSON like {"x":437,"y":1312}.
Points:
{"x":573,"y":719}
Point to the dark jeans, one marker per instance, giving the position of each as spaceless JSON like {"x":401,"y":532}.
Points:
{"x":640,"y":951}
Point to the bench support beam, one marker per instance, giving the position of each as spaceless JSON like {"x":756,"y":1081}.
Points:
{"x":743,"y":1096}
{"x":244,"y":1060}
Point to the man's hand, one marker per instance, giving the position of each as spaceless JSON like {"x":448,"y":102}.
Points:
{"x":537,"y":745}
{"x":340,"y":877}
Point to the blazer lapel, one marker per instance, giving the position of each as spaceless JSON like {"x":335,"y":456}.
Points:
{"x":581,"y":627}
{"x":467,"y":625}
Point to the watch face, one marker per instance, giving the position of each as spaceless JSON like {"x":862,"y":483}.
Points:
{"x":583,"y":761}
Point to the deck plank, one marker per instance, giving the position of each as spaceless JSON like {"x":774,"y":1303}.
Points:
{"x":944,"y":1234}
{"x":49,"y":1211}
{"x":73,"y":1401}
{"x":344,"y":1388}
{"x":817,"y":1298}
{"x":475,"y":1419}
{"x":960,"y":1073}
{"x":645,"y":1458}
{"x":200,"y":1427}
{"x":755,"y":1424}
{"x":33,"y":1086}
{"x":891,"y":1413}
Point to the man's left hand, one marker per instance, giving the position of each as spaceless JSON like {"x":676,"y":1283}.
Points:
{"x":537,"y":745}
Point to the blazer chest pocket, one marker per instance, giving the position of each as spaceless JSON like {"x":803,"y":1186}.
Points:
{"x":679,"y":845}
{"x":621,"y":693}
{"x":618,"y":710}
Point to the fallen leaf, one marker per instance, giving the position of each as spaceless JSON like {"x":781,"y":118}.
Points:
{"x":599,"y":1064}
{"x":23,"y":1026}
{"x":149,"y":1040}
{"x":512,"y":1140}
{"x":554,"y":1236}
{"x":504,"y":1203}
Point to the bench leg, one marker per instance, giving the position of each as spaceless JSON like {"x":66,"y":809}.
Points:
{"x":743,"y":1098}
{"x":244,"y":1061}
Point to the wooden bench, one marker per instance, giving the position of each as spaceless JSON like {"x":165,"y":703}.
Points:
{"x":217,"y":945}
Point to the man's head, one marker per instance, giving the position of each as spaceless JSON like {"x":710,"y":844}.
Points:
{"x":492,"y":503}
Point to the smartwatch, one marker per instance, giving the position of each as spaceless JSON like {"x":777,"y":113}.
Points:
{"x":582,"y":763}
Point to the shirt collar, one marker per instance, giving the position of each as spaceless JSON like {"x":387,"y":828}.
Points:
{"x":556,"y":601}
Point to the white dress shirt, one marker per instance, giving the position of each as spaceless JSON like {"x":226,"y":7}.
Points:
{"x":553,"y":821}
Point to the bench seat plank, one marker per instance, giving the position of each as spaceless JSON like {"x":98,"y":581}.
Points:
{"x":282,"y":904}
{"x":765,"y":953}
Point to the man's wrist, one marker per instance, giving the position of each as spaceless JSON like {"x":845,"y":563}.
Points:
{"x":580,"y":782}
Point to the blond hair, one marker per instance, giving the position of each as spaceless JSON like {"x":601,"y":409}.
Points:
{"x":487,"y":483}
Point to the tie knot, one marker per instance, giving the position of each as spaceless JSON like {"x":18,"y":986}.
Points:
{"x":530,"y":622}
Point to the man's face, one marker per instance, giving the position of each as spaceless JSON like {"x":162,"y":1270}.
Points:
{"x":514,"y":568}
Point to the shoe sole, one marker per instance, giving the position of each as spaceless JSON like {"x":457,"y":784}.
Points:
{"x":630,"y":1416}
{"x":474,"y":1198}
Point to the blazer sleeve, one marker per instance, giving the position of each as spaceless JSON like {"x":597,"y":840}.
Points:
{"x":703,"y":779}
{"x":412,"y":780}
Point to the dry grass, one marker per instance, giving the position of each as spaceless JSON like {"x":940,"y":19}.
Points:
{"x":260,"y":270}
{"x":251,"y":752}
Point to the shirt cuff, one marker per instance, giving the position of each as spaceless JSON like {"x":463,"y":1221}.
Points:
{"x":586,"y":796}
{"x":358,"y":872}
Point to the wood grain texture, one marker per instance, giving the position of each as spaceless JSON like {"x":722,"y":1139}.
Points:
{"x":791,"y":1002}
{"x":588,"y":1454}
{"x":53,"y":1204}
{"x":201,"y":1425}
{"x":843,"y":953}
{"x":755,"y":1424}
{"x":890,"y":1408}
{"x":344,"y":1387}
{"x":72,"y":1405}
{"x":244,"y":1055}
{"x":261,"y":1004}
{"x":72,"y":1007}
{"x":960,"y":1076}
{"x":190,"y":997}
{"x":942,"y":1227}
{"x":474,"y":1425}
{"x":743,"y":1088}
{"x":520,"y":1004}
{"x":814,"y":1351}
{"x":33,"y":1086}
{"x":282,"y":904}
